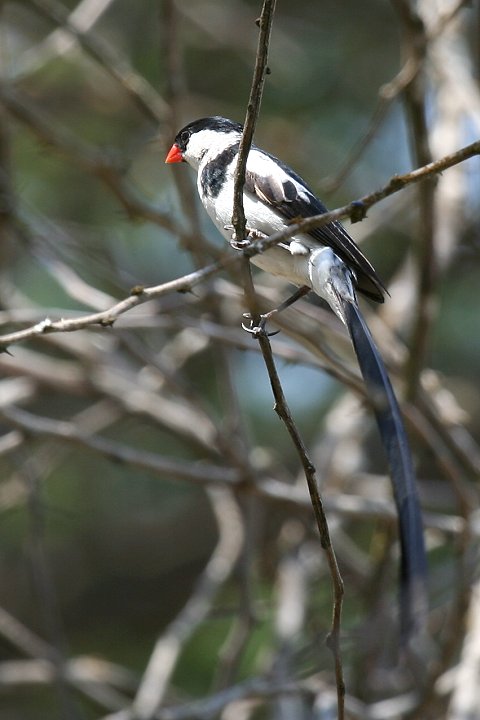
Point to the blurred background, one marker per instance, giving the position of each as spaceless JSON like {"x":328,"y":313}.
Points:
{"x":150,"y":498}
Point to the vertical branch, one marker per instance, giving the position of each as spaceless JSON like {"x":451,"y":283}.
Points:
{"x":283,"y":411}
{"x":239,"y":635}
{"x":265,"y":22}
{"x":238,"y":215}
{"x":281,"y":406}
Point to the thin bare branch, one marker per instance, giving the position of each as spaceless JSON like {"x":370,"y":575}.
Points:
{"x":283,"y":411}
{"x":265,"y":23}
{"x":356,"y":210}
{"x":107,"y":318}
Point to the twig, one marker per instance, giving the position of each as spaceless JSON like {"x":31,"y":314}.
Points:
{"x":261,"y":688}
{"x":265,"y":22}
{"x":230,"y":439}
{"x":141,"y":459}
{"x":93,"y":677}
{"x":239,"y":223}
{"x":356,"y":210}
{"x":253,"y":108}
{"x":26,"y":641}
{"x":269,"y":488}
{"x":283,"y":411}
{"x":107,"y":318}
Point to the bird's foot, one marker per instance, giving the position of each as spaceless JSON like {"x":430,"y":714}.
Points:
{"x":240,"y":244}
{"x":251,"y":236}
{"x":259,"y":328}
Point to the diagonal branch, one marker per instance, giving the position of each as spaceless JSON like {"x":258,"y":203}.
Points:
{"x":355,"y":210}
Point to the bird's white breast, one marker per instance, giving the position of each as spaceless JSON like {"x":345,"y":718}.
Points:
{"x":259,"y":216}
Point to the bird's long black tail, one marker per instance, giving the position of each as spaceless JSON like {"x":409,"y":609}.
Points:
{"x":413,"y":602}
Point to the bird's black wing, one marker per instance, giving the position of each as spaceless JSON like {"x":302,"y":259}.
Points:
{"x":277,"y":185}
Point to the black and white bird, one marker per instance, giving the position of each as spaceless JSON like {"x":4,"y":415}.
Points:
{"x":327,"y":261}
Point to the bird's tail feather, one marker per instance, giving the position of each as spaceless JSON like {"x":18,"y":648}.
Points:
{"x":413,"y":602}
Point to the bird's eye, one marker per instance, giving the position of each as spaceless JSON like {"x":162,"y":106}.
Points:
{"x":184,"y":137}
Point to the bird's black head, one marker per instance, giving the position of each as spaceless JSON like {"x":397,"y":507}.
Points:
{"x":217,"y":123}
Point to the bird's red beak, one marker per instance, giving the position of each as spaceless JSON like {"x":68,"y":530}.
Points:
{"x":174,"y":154}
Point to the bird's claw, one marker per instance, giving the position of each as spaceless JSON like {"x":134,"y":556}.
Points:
{"x":239,"y":244}
{"x":251,"y":236}
{"x":255,"y":234}
{"x":259,"y":328}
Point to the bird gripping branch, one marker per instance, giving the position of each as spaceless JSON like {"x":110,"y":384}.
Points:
{"x":327,"y":261}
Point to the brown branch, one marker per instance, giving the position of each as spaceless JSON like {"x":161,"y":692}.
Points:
{"x":253,"y":108}
{"x":106,"y":318}
{"x":231,"y":440}
{"x":204,"y":474}
{"x":283,"y":411}
{"x":356,"y":210}
{"x":239,"y":224}
{"x":265,"y":22}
